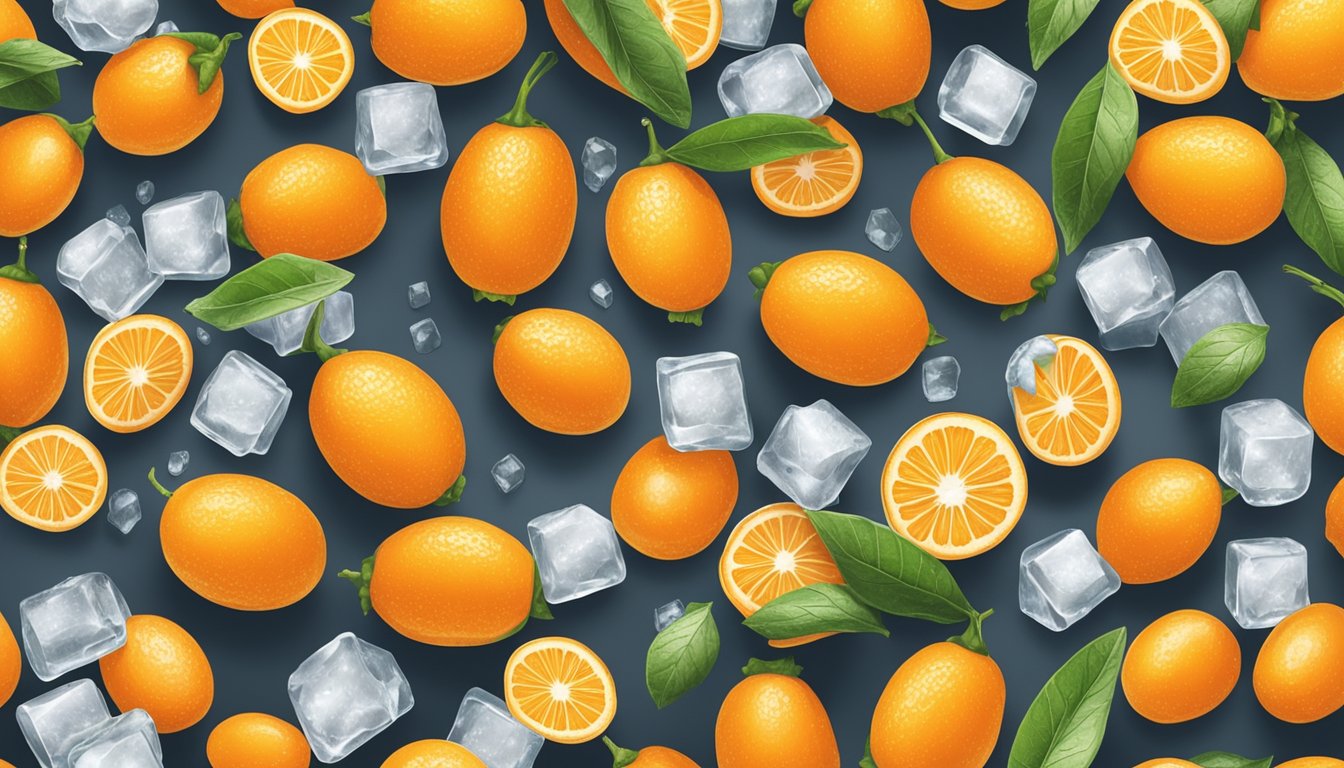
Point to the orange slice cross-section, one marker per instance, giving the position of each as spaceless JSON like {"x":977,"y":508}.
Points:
{"x":1075,"y":412}
{"x":300,"y":59}
{"x":52,"y":478}
{"x":1171,"y":50}
{"x":559,"y":688}
{"x":136,"y":372}
{"x":694,"y":25}
{"x":814,"y":183}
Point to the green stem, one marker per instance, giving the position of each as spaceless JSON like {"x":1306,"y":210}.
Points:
{"x":694,"y":317}
{"x":519,"y":117}
{"x":1280,"y":120}
{"x":785,"y":666}
{"x":973,"y":639}
{"x":453,"y":494}
{"x":621,"y":757}
{"x":1318,"y":285}
{"x":939,"y":155}
{"x":312,"y":336}
{"x":154,"y":481}
{"x":657,"y":155}
{"x":78,"y":132}
{"x":760,"y":275}
{"x":935,"y":338}
{"x":499,"y":329}
{"x":361,"y":579}
{"x":363,"y":18}
{"x":19,"y":269}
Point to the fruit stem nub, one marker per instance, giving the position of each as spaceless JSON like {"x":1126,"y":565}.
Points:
{"x":78,"y":132}
{"x":312,"y":336}
{"x":939,"y":155}
{"x":760,"y":275}
{"x":154,"y":481}
{"x":19,"y":269}
{"x":973,"y":639}
{"x":453,"y":494}
{"x":657,"y":155}
{"x":785,"y":666}
{"x":621,"y":756}
{"x":361,"y":579}
{"x":1318,"y":285}
{"x":518,"y":117}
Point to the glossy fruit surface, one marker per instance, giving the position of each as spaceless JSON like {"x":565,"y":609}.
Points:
{"x":34,"y":345}
{"x":815,"y":183}
{"x":11,"y":662}
{"x":774,"y":721}
{"x":136,"y":372}
{"x":253,"y":9}
{"x":433,"y":753}
{"x":253,"y":739}
{"x":1168,"y":762}
{"x":40,"y":170}
{"x":1075,"y":413}
{"x":1171,"y":50}
{"x":1299,"y":673}
{"x":408,"y":35}
{"x":52,"y":478}
{"x":872,"y":54}
{"x":300,"y":60}
{"x":971,"y":5}
{"x":670,"y":505}
{"x":1180,"y":667}
{"x":146,"y":99}
{"x":561,"y":689}
{"x":1334,"y":518}
{"x":1297,"y":51}
{"x":1322,"y":380}
{"x":14,"y":22}
{"x":162,"y":670}
{"x":1312,"y":762}
{"x":1158,"y":519}
{"x":649,"y":757}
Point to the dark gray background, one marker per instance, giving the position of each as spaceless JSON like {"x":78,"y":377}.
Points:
{"x":253,"y":654}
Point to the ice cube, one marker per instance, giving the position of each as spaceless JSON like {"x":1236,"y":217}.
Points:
{"x":665,"y":614}
{"x":418,"y":294}
{"x":106,"y":267}
{"x":74,"y":623}
{"x":577,"y":553}
{"x":882,"y":229}
{"x":118,"y":215}
{"x":940,"y":378}
{"x":484,"y":726}
{"x":123,"y":509}
{"x":186,"y":237}
{"x":780,"y":79}
{"x":59,"y":719}
{"x":1036,"y":352}
{"x":1218,"y":301}
{"x":1266,"y":581}
{"x":1062,"y":578}
{"x":346,"y":693}
{"x":601,"y":294}
{"x":241,"y":405}
{"x":425,"y":336}
{"x":508,"y":473}
{"x":165,"y":28}
{"x":985,"y":96}
{"x":599,"y":162}
{"x":1264,"y":452}
{"x":109,"y":26}
{"x":203,"y":336}
{"x":144,"y":191}
{"x":704,"y":402}
{"x":811,"y":453}
{"x":177,"y":462}
{"x":746,"y":23}
{"x":125,"y":741}
{"x":398,"y":129}
{"x":284,"y":332}
{"x":1128,"y":289}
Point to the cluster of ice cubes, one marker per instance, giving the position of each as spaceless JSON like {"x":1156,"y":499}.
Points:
{"x":508,"y":473}
{"x":985,"y":96}
{"x":780,"y":80}
{"x":1061,"y":578}
{"x":666,"y":614}
{"x":1221,"y":300}
{"x":577,"y":553}
{"x":940,"y":378}
{"x":284,"y":332}
{"x":1127,"y":287}
{"x":1264,"y":452}
{"x":484,"y":726}
{"x":883,"y":229}
{"x":703,"y":400}
{"x":812,"y":452}
{"x":70,"y":727}
{"x":598,"y":161}
{"x":398,"y":129}
{"x":346,"y":693}
{"x":1266,"y":581}
{"x":109,"y":26}
{"x":241,"y":405}
{"x":123,"y":509}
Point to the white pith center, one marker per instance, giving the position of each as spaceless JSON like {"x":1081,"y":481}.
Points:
{"x":138,"y":376}
{"x":1064,"y":405}
{"x":784,"y":561}
{"x":53,"y":480}
{"x":951,"y":491}
{"x":1171,"y":50}
{"x":805,"y":169}
{"x":559,"y":691}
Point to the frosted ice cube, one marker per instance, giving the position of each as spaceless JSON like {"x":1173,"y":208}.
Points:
{"x":508,"y":473}
{"x":703,"y":400}
{"x":1218,"y":301}
{"x":109,"y":26}
{"x":123,"y":509}
{"x":398,"y":129}
{"x":284,"y":332}
{"x":74,"y":623}
{"x":780,"y":79}
{"x":1264,"y":452}
{"x":186,"y":237}
{"x":118,"y":215}
{"x":1266,"y":581}
{"x":177,"y":462}
{"x":425,"y":336}
{"x":577,"y":553}
{"x":125,"y":741}
{"x":106,"y":267}
{"x":811,"y":453}
{"x":166,"y":27}
{"x":346,"y":693}
{"x":985,"y":96}
{"x":882,"y":229}
{"x":599,"y":162}
{"x":940,"y":378}
{"x":418,"y":295}
{"x":1062,"y":578}
{"x":144,"y":191}
{"x":665,"y":614}
{"x":1127,"y":287}
{"x":241,"y":405}
{"x":1036,"y":352}
{"x":484,"y":726}
{"x":203,"y":336}
{"x":59,"y":719}
{"x":601,"y":294}
{"x":746,"y":23}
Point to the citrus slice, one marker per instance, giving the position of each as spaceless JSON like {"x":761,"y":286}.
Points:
{"x":136,"y":372}
{"x":559,"y":688}
{"x":694,"y":25}
{"x":1075,"y":412}
{"x":954,"y":484}
{"x":300,"y":59}
{"x":814,"y":183}
{"x":52,"y":478}
{"x":1171,"y":50}
{"x":772,"y":551}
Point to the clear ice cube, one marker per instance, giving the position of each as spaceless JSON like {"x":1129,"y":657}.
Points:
{"x":74,"y":623}
{"x":484,"y":726}
{"x":118,"y":215}
{"x":418,"y":295}
{"x":601,"y":294}
{"x":882,"y":229}
{"x":284,"y":332}
{"x":703,"y":400}
{"x":985,"y":96}
{"x":203,"y":336}
{"x":1264,"y":452}
{"x":166,"y":27}
{"x":1127,"y":287}
{"x":746,"y":23}
{"x":1218,"y":301}
{"x":123,"y":509}
{"x":811,"y":453}
{"x":577,"y":553}
{"x":177,"y":462}
{"x":55,"y":722}
{"x":346,"y":693}
{"x":106,"y":267}
{"x":1062,"y":578}
{"x":126,"y":741}
{"x":425,"y":336}
{"x":241,"y":405}
{"x":508,"y":473}
{"x":144,"y":191}
{"x":186,"y":237}
{"x":109,"y":26}
{"x":1036,"y":352}
{"x":665,"y":614}
{"x":599,"y":162}
{"x":780,"y":80}
{"x":940,"y":378}
{"x":1266,"y":581}
{"x":398,"y":129}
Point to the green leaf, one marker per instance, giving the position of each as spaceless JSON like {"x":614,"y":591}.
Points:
{"x":7,"y":435}
{"x":1218,"y":364}
{"x":742,"y":143}
{"x":696,"y":317}
{"x":785,"y":666}
{"x":363,"y":18}
{"x":1229,"y":760}
{"x":1315,"y":199}
{"x":1236,"y":18}
{"x":28,"y":74}
{"x":1050,"y":23}
{"x":493,"y":297}
{"x":935,"y":338}
{"x":890,"y":573}
{"x":812,"y":610}
{"x":868,"y":761}
{"x":682,"y":655}
{"x":1064,"y":725}
{"x":540,"y":608}
{"x":233,"y":218}
{"x":800,"y":8}
{"x":640,"y":53}
{"x":209,"y":56}
{"x":1095,"y":143}
{"x":276,"y":285}
{"x":1229,"y":494}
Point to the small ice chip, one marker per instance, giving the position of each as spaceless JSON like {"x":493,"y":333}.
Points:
{"x":177,"y":462}
{"x":418,"y":294}
{"x":1036,"y":352}
{"x":940,"y":378}
{"x":601,"y":294}
{"x":144,"y":191}
{"x":599,"y":162}
{"x":508,"y":473}
{"x":883,"y":229}
{"x":425,"y":336}
{"x":123,"y":509}
{"x":664,"y":615}
{"x":203,"y":336}
{"x":118,"y":215}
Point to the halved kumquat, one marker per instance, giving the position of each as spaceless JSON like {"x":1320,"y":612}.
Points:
{"x":1075,"y":412}
{"x":52,"y":478}
{"x":136,"y":372}
{"x":813,"y":183}
{"x":300,"y":59}
{"x":694,"y":25}
{"x":559,"y":688}
{"x":1171,"y":50}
